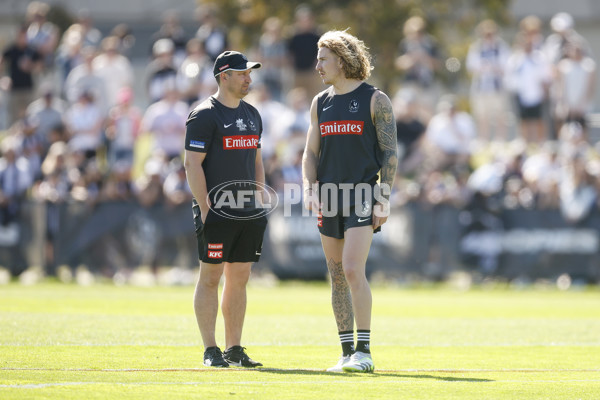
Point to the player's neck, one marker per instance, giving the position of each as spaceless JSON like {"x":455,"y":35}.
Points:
{"x":346,"y":86}
{"x":226,"y":99}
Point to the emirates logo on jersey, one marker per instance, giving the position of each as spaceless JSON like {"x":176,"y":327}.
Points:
{"x":240,"y":142}
{"x":342,"y":128}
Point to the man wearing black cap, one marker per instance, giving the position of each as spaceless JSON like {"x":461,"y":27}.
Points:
{"x":222,"y":145}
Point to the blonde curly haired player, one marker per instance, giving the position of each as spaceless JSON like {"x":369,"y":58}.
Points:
{"x":351,"y":145}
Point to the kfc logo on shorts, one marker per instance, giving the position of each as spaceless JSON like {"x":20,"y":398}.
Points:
{"x":215,"y":246}
{"x":342,"y":128}
{"x":240,"y":142}
{"x":215,"y":254}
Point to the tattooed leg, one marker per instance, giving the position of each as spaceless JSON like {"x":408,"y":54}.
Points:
{"x":341,"y":299}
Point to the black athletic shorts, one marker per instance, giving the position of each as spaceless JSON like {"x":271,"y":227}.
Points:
{"x":357,"y":215}
{"x":530,"y":112}
{"x":222,"y":239}
{"x":336,"y":226}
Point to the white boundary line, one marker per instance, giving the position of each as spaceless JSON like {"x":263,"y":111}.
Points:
{"x":258,"y":383}
{"x":300,"y":370}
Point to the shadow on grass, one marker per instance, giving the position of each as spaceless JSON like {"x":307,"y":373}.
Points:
{"x":376,"y":374}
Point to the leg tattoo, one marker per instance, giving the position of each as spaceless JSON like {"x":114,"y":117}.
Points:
{"x":341,"y":299}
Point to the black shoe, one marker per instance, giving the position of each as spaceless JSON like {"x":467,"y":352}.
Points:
{"x":213,"y":357}
{"x":236,"y":356}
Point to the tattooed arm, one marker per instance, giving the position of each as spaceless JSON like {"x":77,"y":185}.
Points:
{"x":385,"y":126}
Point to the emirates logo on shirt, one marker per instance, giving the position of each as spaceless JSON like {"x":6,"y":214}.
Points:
{"x":342,"y":128}
{"x":240,"y":142}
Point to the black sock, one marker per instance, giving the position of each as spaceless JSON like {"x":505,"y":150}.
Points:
{"x":363,"y":340}
{"x":347,"y":340}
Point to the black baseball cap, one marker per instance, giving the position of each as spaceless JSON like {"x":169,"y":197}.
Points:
{"x":234,"y":61}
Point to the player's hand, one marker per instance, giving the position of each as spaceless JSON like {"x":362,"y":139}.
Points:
{"x":204,"y":210}
{"x":381,"y":212}
{"x":311,"y":200}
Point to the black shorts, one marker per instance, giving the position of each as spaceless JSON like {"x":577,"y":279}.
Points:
{"x":336,"y":226}
{"x":228,"y":240}
{"x":530,"y":112}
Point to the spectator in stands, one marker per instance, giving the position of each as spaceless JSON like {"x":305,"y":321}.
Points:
{"x":31,"y":146}
{"x":161,"y":72}
{"x":165,"y":121}
{"x":42,"y":34}
{"x":4,"y":90}
{"x":126,"y":38}
{"x":211,"y":32}
{"x":16,"y":178}
{"x":291,"y":170}
{"x":270,"y":110}
{"x":449,"y":135}
{"x":292,"y":124}
{"x":446,"y":187}
{"x":273,"y":173}
{"x":118,"y":185}
{"x":302,"y":47}
{"x":410,"y":129}
{"x":114,"y":68}
{"x":532,"y":25}
{"x":83,"y":78}
{"x":53,"y":191}
{"x":575,"y":86}
{"x":85,"y":121}
{"x":22,"y":62}
{"x":171,"y":29}
{"x":419,"y":61}
{"x":123,"y":127}
{"x":195,"y":80}
{"x":272,"y":53}
{"x":563,"y":32}
{"x":68,"y":54}
{"x":91,"y":35}
{"x":528,"y":77}
{"x":87,"y":186}
{"x":149,"y":186}
{"x":486,"y":61}
{"x":578,"y":192}
{"x":45,"y":114}
{"x":541,"y":172}
{"x":175,"y":187}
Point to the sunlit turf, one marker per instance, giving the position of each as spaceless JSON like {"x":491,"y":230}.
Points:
{"x":106,"y":342}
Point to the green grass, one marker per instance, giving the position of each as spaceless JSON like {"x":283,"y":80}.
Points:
{"x":106,"y":342}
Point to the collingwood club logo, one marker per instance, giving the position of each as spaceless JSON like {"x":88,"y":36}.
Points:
{"x":353,"y":106}
{"x":240,"y":124}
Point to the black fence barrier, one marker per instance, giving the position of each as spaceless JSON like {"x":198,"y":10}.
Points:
{"x":427,"y":242}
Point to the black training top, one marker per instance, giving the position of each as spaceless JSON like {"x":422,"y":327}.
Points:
{"x":230,"y":138}
{"x":349,"y":146}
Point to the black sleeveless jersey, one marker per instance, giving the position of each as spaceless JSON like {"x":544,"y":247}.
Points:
{"x":230,"y":138}
{"x":349,"y":147}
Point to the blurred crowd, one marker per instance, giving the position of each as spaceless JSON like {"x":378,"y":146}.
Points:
{"x":522,"y":139}
{"x":74,"y":128}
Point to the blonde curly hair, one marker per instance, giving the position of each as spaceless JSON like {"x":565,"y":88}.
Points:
{"x":356,"y":60}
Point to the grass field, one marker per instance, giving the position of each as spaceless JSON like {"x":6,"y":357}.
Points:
{"x":107,"y":342}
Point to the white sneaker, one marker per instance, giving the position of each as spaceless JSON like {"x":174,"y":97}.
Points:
{"x":341,"y":362}
{"x":359,"y":362}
